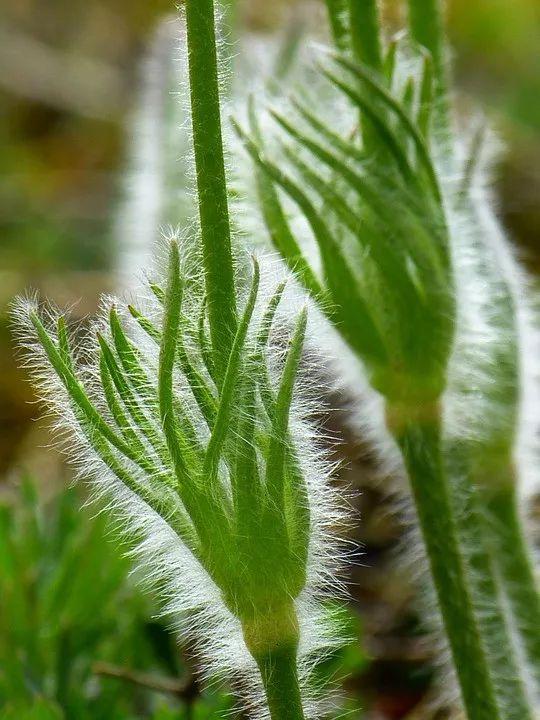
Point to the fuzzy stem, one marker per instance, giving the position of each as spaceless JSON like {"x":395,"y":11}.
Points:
{"x":211,"y":182}
{"x":512,"y":557}
{"x":338,"y":23}
{"x":493,"y":624}
{"x":419,"y":439}
{"x":272,"y":639}
{"x":280,"y":679}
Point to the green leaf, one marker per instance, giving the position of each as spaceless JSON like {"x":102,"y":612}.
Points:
{"x":133,"y":405}
{"x":167,"y":357}
{"x":277,"y":453}
{"x":346,"y":146}
{"x":365,"y":76}
{"x":349,"y":312}
{"x":425,"y":108}
{"x":131,"y":362}
{"x":211,"y":181}
{"x":277,"y":224}
{"x":199,"y":387}
{"x":76,"y":391}
{"x":388,"y":256}
{"x":232,"y":375}
{"x":337,"y":14}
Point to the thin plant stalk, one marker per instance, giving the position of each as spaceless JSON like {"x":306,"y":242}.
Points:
{"x":211,"y":182}
{"x":513,"y":560}
{"x":495,"y":481}
{"x":420,"y":442}
{"x":365,"y":32}
{"x":425,"y":19}
{"x":279,"y":673}
{"x":280,"y":679}
{"x":337,"y":15}
{"x":483,"y":539}
{"x":481,"y":543}
{"x":427,"y":28}
{"x":366,"y":48}
{"x":274,"y":653}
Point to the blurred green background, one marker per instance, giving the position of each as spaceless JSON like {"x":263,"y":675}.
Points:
{"x":68,"y":86}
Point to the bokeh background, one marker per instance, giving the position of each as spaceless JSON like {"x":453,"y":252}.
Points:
{"x":69,"y":74}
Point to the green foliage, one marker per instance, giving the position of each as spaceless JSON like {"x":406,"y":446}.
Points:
{"x":183,"y":480}
{"x":217,"y":463}
{"x":38,"y":710}
{"x":62,"y":581}
{"x":202,"y":436}
{"x":396,"y":307}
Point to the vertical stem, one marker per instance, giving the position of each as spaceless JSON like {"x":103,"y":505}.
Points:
{"x":365,"y":32}
{"x":337,"y":14}
{"x":272,"y":639}
{"x":486,"y":596}
{"x":425,"y":19}
{"x":427,"y":28}
{"x":280,"y":679}
{"x":211,"y":183}
{"x":366,"y":47}
{"x":512,"y":557}
{"x":420,"y":442}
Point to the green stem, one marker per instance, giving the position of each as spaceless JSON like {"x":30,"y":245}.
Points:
{"x":426,"y":23}
{"x":427,"y":28}
{"x":486,"y":597}
{"x":272,"y":639}
{"x":280,"y":679}
{"x":365,"y":33}
{"x":337,"y":14}
{"x":211,"y":182}
{"x":366,"y":45}
{"x":420,"y":442}
{"x":512,"y":557}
